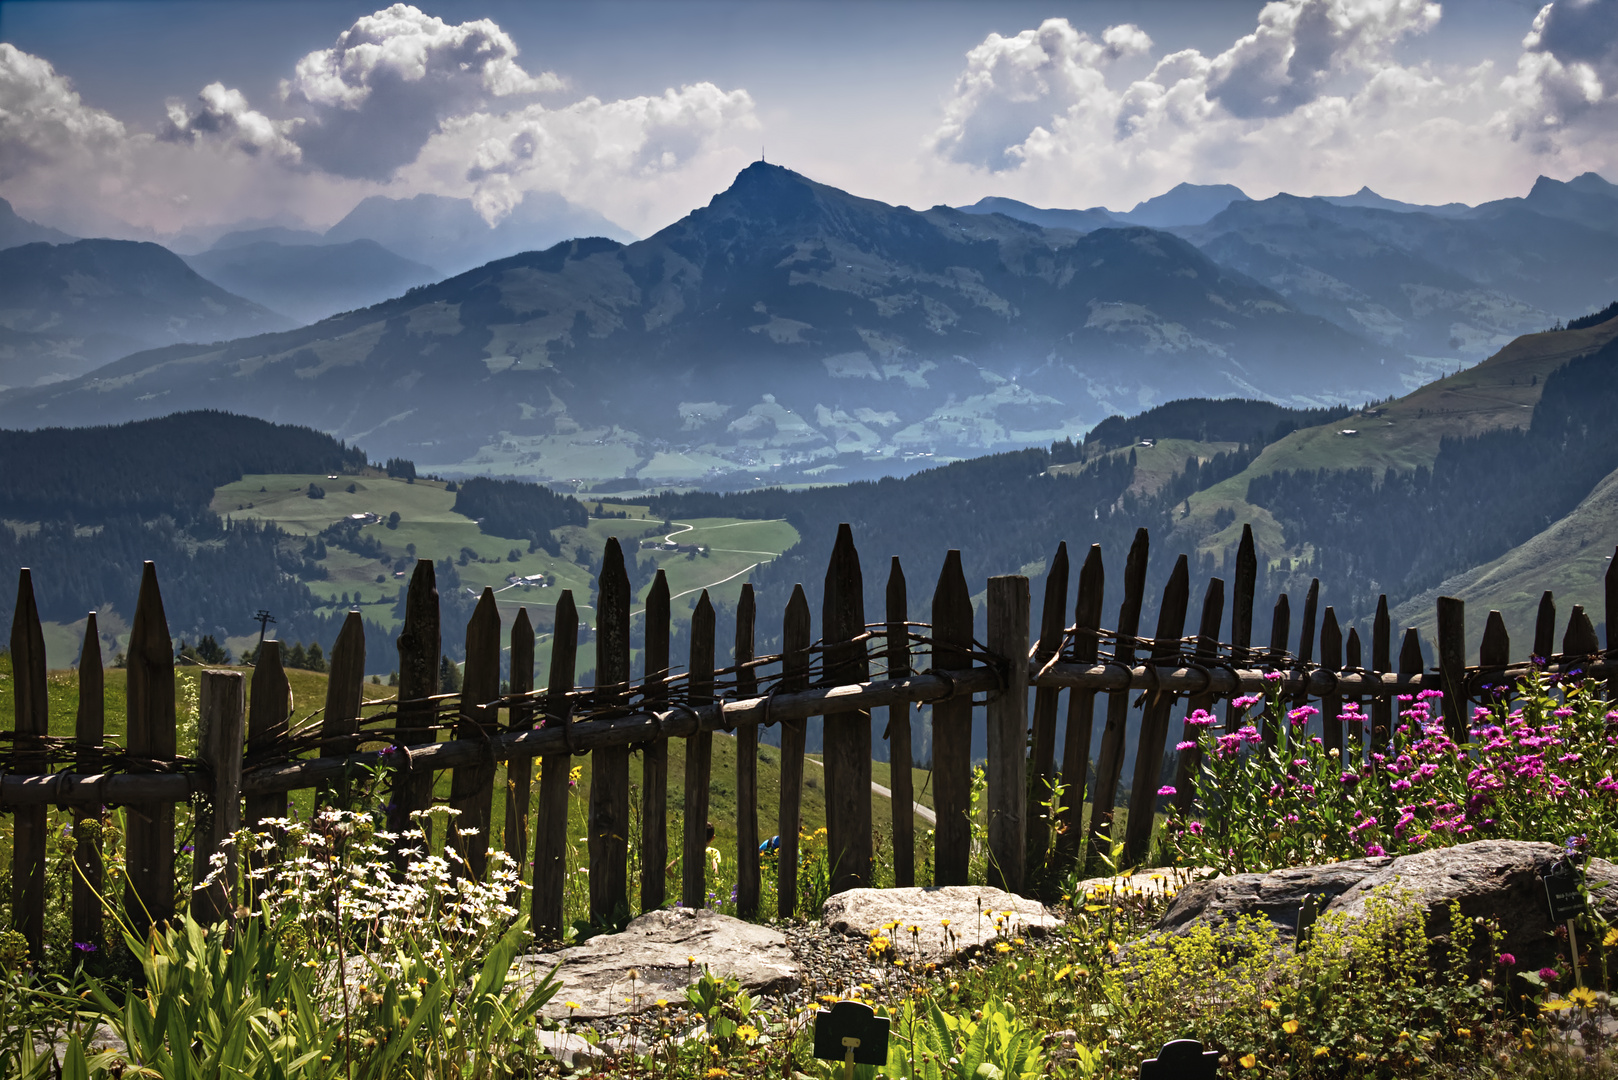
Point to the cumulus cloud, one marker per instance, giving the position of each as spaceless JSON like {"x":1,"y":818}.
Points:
{"x":43,"y":122}
{"x":1316,"y":98}
{"x":373,"y":99}
{"x":223,"y":114}
{"x":1566,"y":82}
{"x":1012,"y":85}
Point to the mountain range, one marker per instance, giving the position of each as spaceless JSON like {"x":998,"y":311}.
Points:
{"x":786,"y":326}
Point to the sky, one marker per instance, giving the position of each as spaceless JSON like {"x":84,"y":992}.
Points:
{"x":155,"y":119}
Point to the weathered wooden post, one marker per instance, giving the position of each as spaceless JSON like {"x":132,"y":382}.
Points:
{"x":1081,"y":710}
{"x":1494,"y":652}
{"x":1355,"y":736}
{"x":31,"y":710}
{"x":520,"y":717}
{"x":1241,"y":612}
{"x":1306,"y":638}
{"x":471,"y":789}
{"x":747,"y":881}
{"x":1110,"y":761}
{"x":149,"y":834}
{"x":900,"y":757}
{"x":1280,"y":627}
{"x":847,"y":734}
{"x":220,"y":743}
{"x":1611,"y":608}
{"x":654,"y":761}
{"x":952,"y":727}
{"x":550,"y":840}
{"x":1382,"y":663}
{"x":698,"y":760}
{"x":1410,"y":662}
{"x":609,"y":765}
{"x":268,"y":708}
{"x":1452,"y":664}
{"x":88,"y":731}
{"x":794,"y":676}
{"x":1185,"y":775}
{"x":1580,"y":639}
{"x":345,"y":690}
{"x":1154,"y":728}
{"x":1008,"y":603}
{"x":419,"y":645}
{"x":1545,"y":627}
{"x":1042,"y":761}
{"x":1331,"y":658}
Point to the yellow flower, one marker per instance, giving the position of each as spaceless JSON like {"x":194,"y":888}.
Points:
{"x":1267,"y":1004}
{"x":1465,"y":1033}
{"x":1582,"y":997}
{"x":1002,"y":947}
{"x":1290,"y":1027}
{"x":1557,"y":1005}
{"x":662,"y":1003}
{"x":571,"y":1005}
{"x":1112,"y":946}
{"x":1611,"y":939}
{"x":716,"y":1072}
{"x":945,"y":923}
{"x":1322,"y":1051}
{"x":1249,"y":1060}
{"x":747,"y":1033}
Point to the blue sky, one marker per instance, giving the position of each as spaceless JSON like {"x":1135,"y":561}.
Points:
{"x":155,"y":118}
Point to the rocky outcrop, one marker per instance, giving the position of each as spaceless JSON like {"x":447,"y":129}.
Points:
{"x":1492,"y":879}
{"x":656,"y":957}
{"x":950,"y":920}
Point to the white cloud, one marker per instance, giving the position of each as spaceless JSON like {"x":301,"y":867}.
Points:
{"x":43,"y":122}
{"x":222,"y":113}
{"x":1316,"y":99}
{"x":1565,"y":88}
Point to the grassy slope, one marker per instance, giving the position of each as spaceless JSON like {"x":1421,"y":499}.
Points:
{"x":1499,"y":392}
{"x":428,"y":521}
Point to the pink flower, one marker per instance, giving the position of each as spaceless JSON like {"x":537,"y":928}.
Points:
{"x":1507,"y":959}
{"x":1166,"y":789}
{"x":1184,"y":746}
{"x":1273,"y":676}
{"x":1549,"y":974}
{"x":1247,"y":701}
{"x":1374,"y":851}
{"x":1201,"y":718}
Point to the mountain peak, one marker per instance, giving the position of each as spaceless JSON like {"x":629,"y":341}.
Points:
{"x":1184,"y":204}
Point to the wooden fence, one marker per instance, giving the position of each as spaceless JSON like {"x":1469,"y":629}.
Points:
{"x":249,"y":758}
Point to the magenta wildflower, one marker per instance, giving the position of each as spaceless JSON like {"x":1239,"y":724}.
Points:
{"x":1374,"y":851}
{"x":1166,"y":789}
{"x":1549,"y":974}
{"x":1507,"y":959}
{"x":1273,"y":676}
{"x":1201,"y":718}
{"x":1189,"y":744}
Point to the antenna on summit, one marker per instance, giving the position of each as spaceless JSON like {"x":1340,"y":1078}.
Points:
{"x":761,"y":153}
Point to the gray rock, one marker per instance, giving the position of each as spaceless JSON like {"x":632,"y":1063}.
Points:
{"x":572,"y":1051}
{"x":970,"y":909}
{"x":667,"y":950}
{"x":1494,"y":879}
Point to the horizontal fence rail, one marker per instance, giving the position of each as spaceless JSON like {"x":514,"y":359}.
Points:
{"x":249,"y":756}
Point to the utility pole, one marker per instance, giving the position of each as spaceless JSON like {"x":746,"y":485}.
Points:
{"x":264,"y":620}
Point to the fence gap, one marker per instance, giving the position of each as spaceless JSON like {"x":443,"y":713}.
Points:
{"x":609,"y":765}
{"x":220,"y":737}
{"x":698,"y":759}
{"x":471,"y":787}
{"x":31,"y":713}
{"x":794,"y":677}
{"x":519,"y":770}
{"x":1008,"y":604}
{"x":419,"y":645}
{"x":550,"y":839}
{"x":847,"y":745}
{"x":1381,"y":660}
{"x":1154,"y":728}
{"x":1042,"y":763}
{"x":88,"y":731}
{"x":1081,"y":709}
{"x":1110,"y":762}
{"x":654,"y":761}
{"x":952,"y":727}
{"x":149,"y":829}
{"x":1331,"y":705}
{"x":747,"y":882}
{"x":1207,"y":652}
{"x":900,"y":757}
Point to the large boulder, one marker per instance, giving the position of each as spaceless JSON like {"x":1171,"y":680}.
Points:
{"x":1494,"y":879}
{"x":667,"y":951}
{"x":977,"y":916}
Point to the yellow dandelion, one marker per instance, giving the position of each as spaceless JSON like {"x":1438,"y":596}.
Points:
{"x":945,"y":924}
{"x":662,"y":1003}
{"x":1583,"y":997}
{"x":747,"y":1033}
{"x":1290,"y":1027}
{"x":1002,"y":947}
{"x":1465,"y":1033}
{"x":1558,"y":1005}
{"x":1249,"y":1061}
{"x":571,"y":1005}
{"x":1267,"y":1004}
{"x":1322,"y":1051}
{"x":716,"y":1072}
{"x":1611,"y":939}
